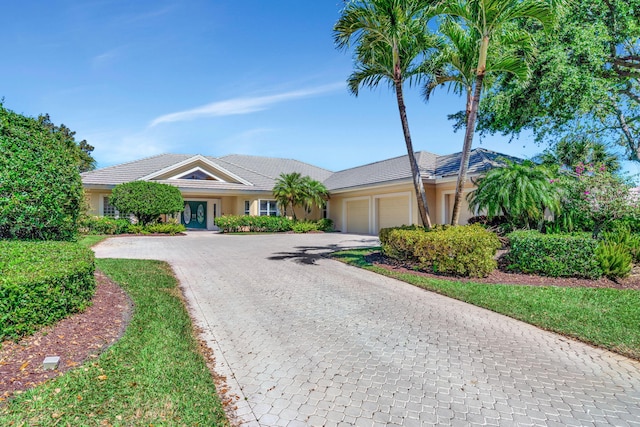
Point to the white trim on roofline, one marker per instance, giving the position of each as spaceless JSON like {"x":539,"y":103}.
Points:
{"x":197,"y":157}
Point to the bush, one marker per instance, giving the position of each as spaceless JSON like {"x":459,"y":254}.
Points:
{"x":459,"y":250}
{"x":103,"y":225}
{"x":146,"y":200}
{"x":614,"y":259}
{"x":165,"y":228}
{"x":325,"y":224}
{"x":40,"y":187}
{"x":248,"y":223}
{"x":304,"y":226}
{"x":41,"y":283}
{"x":383,"y":234}
{"x":554,"y":255}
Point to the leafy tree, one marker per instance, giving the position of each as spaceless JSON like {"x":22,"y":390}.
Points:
{"x":600,"y":196}
{"x":489,"y":23}
{"x":585,"y":81}
{"x":519,"y":191}
{"x":40,"y":187}
{"x":81,"y":149}
{"x":391,"y":39}
{"x":146,"y":200}
{"x":293,"y":189}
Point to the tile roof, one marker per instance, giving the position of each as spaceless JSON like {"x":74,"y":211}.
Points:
{"x":262,"y":172}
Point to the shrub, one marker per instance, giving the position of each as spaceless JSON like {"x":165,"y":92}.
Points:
{"x":166,"y":228}
{"x":614,"y":259}
{"x":40,"y":187}
{"x":459,"y":250}
{"x":304,"y":226}
{"x":146,"y":200}
{"x":557,"y":255}
{"x":103,"y":225}
{"x":248,"y":223}
{"x":325,"y":224}
{"x":383,"y":234}
{"x":42,"y":282}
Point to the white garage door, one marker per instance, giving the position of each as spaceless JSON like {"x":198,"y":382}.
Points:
{"x":358,"y":216}
{"x":393,"y":211}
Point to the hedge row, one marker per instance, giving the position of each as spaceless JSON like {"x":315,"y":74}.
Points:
{"x":554,"y":255}
{"x":461,"y":250}
{"x":111,"y":226}
{"x":41,"y":283}
{"x":269,"y":224}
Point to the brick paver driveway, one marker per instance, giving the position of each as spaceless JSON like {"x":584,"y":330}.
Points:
{"x":305,"y":340}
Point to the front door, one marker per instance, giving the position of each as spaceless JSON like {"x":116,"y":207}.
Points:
{"x":194,"y":215}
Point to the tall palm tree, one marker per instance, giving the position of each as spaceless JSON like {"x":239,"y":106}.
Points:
{"x":288,"y":191}
{"x":391,"y":37}
{"x":569,"y":152}
{"x":519,"y":191}
{"x":491,"y":21}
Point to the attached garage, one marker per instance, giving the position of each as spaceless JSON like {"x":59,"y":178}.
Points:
{"x":357,"y":216}
{"x":393,"y":211}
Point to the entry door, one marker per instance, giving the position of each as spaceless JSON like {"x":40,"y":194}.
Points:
{"x":194,"y":215}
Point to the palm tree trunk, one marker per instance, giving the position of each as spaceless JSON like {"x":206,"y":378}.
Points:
{"x":471,"y":126}
{"x":415,"y":170}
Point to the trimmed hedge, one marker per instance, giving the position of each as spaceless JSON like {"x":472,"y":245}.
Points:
{"x":243,"y":223}
{"x":554,"y":255}
{"x":91,"y":224}
{"x":460,"y":250}
{"x":41,"y":283}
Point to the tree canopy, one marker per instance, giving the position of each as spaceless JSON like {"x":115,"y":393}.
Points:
{"x":585,"y":80}
{"x":146,"y":200}
{"x":40,"y":187}
{"x":293,"y":189}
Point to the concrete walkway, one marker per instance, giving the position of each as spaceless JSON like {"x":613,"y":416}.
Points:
{"x":307,"y":341}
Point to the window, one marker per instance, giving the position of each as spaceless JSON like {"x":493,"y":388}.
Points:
{"x":325,"y":210}
{"x":108,"y":209}
{"x":268,"y":208}
{"x":247,"y":207}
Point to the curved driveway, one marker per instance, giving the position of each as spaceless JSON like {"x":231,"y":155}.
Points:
{"x":304,"y":340}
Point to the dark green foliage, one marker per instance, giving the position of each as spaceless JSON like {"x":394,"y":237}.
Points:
{"x":459,"y":250}
{"x":40,"y":187}
{"x":103,"y":225}
{"x":244,"y":223}
{"x":146,"y":200}
{"x":614,"y":259}
{"x":325,"y":224}
{"x":554,"y":255}
{"x":160,"y":228}
{"x":81,"y":149}
{"x":42,"y":282}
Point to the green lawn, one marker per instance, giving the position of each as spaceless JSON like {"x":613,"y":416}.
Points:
{"x":153,"y":376}
{"x":608,"y":318}
{"x":91,"y":239}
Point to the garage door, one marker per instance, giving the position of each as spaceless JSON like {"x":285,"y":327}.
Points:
{"x":358,"y":216}
{"x":393,"y":211}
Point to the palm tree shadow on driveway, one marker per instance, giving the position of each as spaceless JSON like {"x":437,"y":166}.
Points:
{"x":306,"y":255}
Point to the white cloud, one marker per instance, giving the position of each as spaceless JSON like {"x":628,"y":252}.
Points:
{"x":236,"y":106}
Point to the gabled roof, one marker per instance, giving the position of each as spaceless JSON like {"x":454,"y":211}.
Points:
{"x":257,"y":173}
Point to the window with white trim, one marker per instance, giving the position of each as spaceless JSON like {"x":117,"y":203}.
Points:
{"x":247,"y":207}
{"x":269,"y":208}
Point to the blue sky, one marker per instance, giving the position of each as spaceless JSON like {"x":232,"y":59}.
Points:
{"x":212,"y":77}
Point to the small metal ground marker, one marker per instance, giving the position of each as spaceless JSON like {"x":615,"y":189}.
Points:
{"x":51,"y":362}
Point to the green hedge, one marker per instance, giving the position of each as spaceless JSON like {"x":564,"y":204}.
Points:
{"x":554,"y":255}
{"x":103,"y":225}
{"x":240,"y":223}
{"x":461,"y":250}
{"x":41,"y":283}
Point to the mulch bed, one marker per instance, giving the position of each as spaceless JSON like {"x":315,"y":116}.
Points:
{"x":75,"y":339}
{"x":500,"y":276}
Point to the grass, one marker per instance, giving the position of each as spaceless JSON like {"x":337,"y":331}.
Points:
{"x":154,"y":375}
{"x":89,"y":240}
{"x":607,"y":318}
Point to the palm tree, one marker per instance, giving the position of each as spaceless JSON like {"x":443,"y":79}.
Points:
{"x":391,"y":36}
{"x":572,"y":151}
{"x":519,"y":191}
{"x":315,"y":194}
{"x":489,"y":22}
{"x":288,"y":191}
